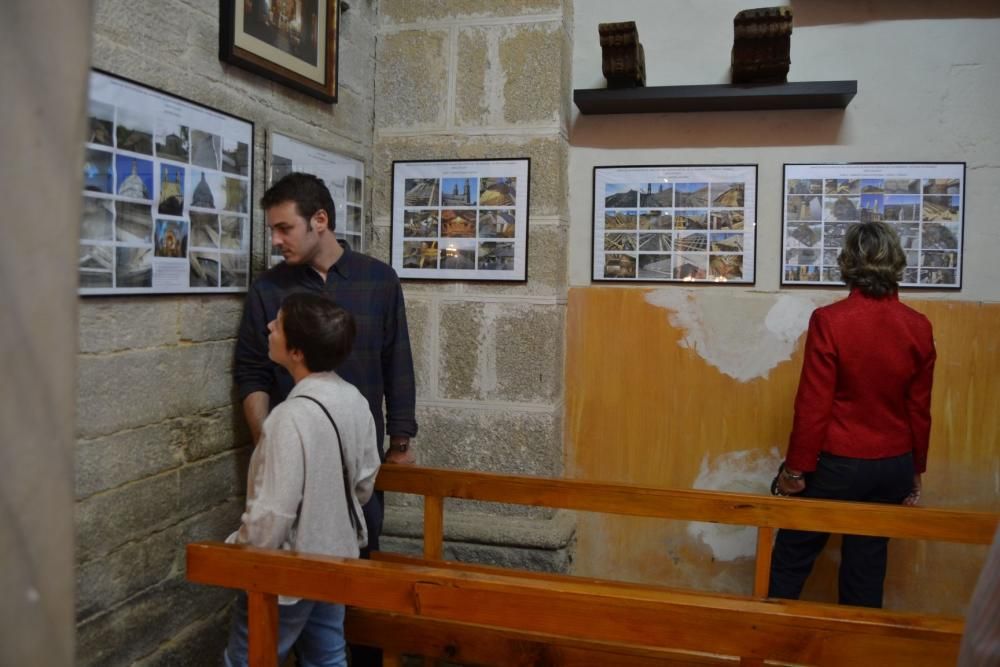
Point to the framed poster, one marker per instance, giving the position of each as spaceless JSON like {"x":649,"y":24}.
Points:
{"x":461,"y":219}
{"x":923,"y":201}
{"x":675,"y":223}
{"x":344,"y":176}
{"x":293,"y":43}
{"x":166,"y":194}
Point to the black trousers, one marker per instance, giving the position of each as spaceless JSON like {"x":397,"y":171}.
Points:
{"x":862,"y":558}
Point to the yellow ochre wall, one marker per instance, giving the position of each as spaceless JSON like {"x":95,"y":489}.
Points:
{"x":648,"y":404}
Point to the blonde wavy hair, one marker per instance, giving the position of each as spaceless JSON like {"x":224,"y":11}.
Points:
{"x":872,"y":259}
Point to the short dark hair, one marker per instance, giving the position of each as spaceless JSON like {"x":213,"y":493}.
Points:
{"x":319,"y":328}
{"x":308,"y":192}
{"x":872,"y":259}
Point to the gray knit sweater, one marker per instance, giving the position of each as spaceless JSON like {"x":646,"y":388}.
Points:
{"x":295,"y":489}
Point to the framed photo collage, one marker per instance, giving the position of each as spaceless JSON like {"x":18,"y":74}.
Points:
{"x":460,"y":219}
{"x":167,"y":186}
{"x":922,"y":201}
{"x":697,"y":223}
{"x":675,"y":223}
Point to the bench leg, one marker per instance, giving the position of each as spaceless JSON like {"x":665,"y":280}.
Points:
{"x":390,"y":659}
{"x":262,"y":630}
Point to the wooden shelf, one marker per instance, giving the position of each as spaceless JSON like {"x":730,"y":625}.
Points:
{"x":720,"y":97}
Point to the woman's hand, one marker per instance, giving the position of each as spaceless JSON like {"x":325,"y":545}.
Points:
{"x":791,"y":482}
{"x":914,"y":496}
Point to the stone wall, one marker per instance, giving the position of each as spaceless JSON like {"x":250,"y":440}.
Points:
{"x":162,"y":451}
{"x":478,"y":79}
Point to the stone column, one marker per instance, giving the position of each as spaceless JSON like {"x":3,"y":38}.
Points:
{"x":44,"y":51}
{"x":479,"y":79}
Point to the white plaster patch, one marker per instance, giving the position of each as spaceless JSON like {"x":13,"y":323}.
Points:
{"x":744,"y":337}
{"x":747,"y":471}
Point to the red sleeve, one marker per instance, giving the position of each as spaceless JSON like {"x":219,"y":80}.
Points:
{"x":814,"y":400}
{"x":918,"y":405}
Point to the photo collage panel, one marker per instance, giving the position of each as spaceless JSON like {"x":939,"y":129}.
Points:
{"x":460,"y":223}
{"x":343,"y":176}
{"x":922,"y":204}
{"x":688,"y":228}
{"x":165,"y":203}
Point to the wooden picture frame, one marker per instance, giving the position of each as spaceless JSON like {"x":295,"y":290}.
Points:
{"x":299,"y":50}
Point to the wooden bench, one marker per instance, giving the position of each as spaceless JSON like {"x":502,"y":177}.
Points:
{"x":483,"y":615}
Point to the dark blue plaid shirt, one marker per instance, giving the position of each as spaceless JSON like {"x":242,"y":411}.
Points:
{"x":380,"y":364}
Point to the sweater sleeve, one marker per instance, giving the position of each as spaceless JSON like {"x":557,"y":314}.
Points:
{"x":277,"y":475}
{"x":814,"y":400}
{"x":918,"y":405}
{"x":367,"y":461}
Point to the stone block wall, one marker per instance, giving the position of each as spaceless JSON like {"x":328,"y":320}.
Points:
{"x":465,"y":80}
{"x":162,"y":449}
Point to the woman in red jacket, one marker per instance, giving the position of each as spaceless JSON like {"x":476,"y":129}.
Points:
{"x":862,"y":414}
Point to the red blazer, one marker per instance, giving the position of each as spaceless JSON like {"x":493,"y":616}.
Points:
{"x":865,"y":389}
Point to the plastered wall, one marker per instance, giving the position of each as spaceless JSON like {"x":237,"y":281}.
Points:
{"x":708,"y":402}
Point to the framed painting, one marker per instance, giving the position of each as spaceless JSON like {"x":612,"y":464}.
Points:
{"x":461,"y":219}
{"x":293,"y":42}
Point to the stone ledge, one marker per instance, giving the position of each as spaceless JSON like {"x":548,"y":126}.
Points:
{"x":487,"y":529}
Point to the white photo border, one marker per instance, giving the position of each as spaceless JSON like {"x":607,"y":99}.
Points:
{"x":335,"y":169}
{"x":896,"y":192}
{"x":737,"y":225}
{"x":191,"y":166}
{"x":486,"y":219}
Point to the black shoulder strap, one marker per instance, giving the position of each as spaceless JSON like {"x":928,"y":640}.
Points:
{"x":348,"y":495}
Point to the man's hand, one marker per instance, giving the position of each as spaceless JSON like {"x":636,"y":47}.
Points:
{"x":400,"y":452}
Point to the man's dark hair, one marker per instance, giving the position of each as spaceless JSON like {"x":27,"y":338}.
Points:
{"x":307,"y":191}
{"x":872,"y":259}
{"x":320,"y":329}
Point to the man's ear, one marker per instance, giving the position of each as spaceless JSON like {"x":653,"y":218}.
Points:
{"x":320,"y":221}
{"x":298,"y":356}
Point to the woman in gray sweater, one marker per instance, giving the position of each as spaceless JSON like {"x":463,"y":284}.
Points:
{"x":313,"y":469}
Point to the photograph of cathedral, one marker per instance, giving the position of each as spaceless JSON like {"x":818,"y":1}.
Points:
{"x":458,"y":191}
{"x":171,"y":238}
{"x":135,"y":177}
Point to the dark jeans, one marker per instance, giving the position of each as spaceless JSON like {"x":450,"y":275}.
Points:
{"x":369,"y":656}
{"x":862,"y":558}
